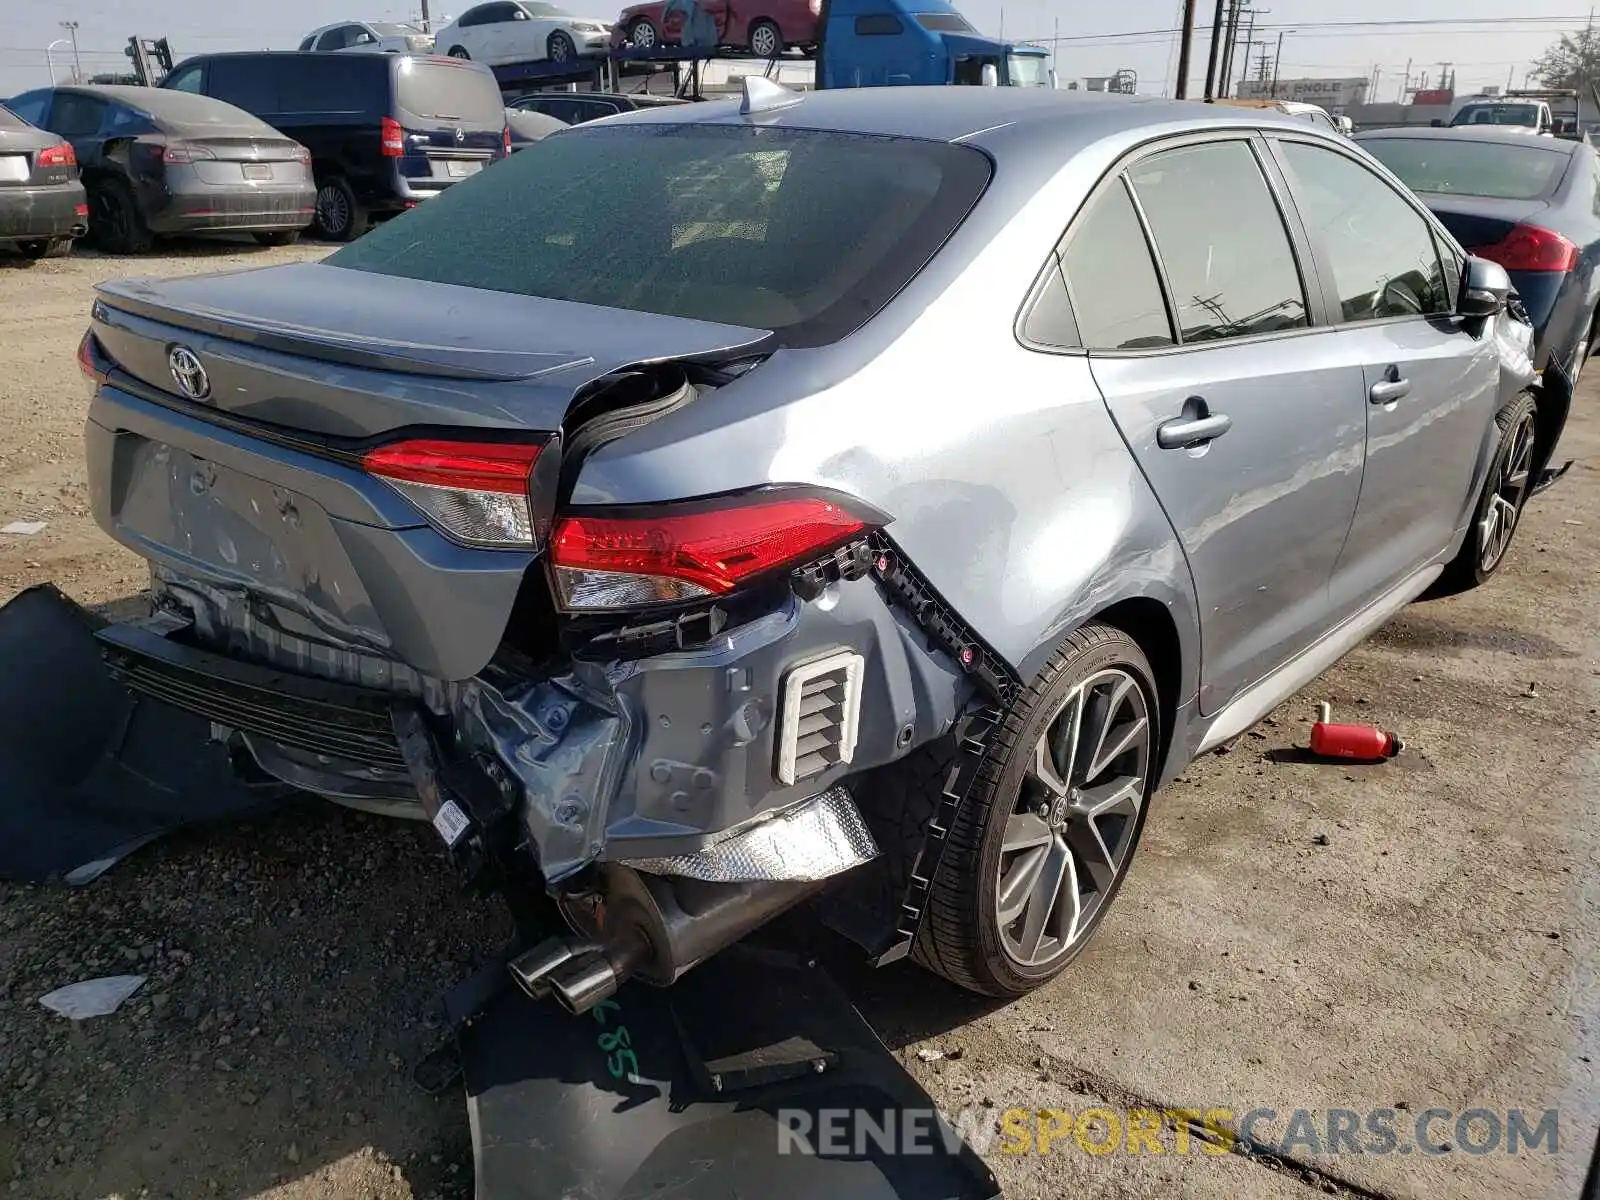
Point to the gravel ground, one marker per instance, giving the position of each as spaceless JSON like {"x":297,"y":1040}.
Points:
{"x":1293,"y":935}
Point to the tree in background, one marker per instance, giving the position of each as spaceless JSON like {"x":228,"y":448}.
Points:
{"x":1572,"y":62}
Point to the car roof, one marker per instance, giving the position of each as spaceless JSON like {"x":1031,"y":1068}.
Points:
{"x":1062,"y":119}
{"x":180,"y":110}
{"x":1473,"y":133}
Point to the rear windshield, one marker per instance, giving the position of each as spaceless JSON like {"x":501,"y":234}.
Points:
{"x":441,"y":88}
{"x":1471,"y":168}
{"x":188,"y":113}
{"x":1498,"y":114}
{"x":803,"y":232}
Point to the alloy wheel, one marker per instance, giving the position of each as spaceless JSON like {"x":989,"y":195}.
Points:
{"x":643,"y":35}
{"x":333,"y":210}
{"x":1508,"y":489}
{"x":764,"y":41}
{"x":1071,"y":834}
{"x":561,"y":48}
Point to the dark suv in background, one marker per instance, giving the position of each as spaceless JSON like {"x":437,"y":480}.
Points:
{"x":384,"y":131}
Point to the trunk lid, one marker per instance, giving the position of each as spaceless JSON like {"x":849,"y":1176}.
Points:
{"x":20,"y":147}
{"x":249,"y":492}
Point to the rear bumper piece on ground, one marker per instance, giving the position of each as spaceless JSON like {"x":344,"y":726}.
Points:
{"x":51,"y":211}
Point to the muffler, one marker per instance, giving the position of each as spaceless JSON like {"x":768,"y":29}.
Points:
{"x":654,"y":927}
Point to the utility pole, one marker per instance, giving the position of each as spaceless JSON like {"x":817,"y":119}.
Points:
{"x":1185,"y":39}
{"x":1216,"y":51}
{"x":427,"y":22}
{"x":1405,"y":84}
{"x":77,"y":65}
{"x":1277,"y":59}
{"x":1055,"y":45}
{"x":1231,"y":39}
{"x":1250,"y":40}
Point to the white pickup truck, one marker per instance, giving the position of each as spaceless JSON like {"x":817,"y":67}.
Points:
{"x":1524,"y":115}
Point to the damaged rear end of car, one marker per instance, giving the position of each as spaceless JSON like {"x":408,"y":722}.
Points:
{"x":368,"y":571}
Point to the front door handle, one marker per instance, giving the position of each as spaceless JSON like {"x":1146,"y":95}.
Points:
{"x":1196,"y":426}
{"x":1390,"y":388}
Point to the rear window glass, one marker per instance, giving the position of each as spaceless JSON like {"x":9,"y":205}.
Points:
{"x":803,"y":232}
{"x":1471,"y":168}
{"x":455,"y":92}
{"x":1526,"y":115}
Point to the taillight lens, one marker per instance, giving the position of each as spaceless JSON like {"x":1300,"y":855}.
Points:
{"x":61,"y":155}
{"x":394,"y":138}
{"x":1530,"y":248}
{"x":301,"y":154}
{"x":185,"y":152}
{"x":505,"y":138}
{"x":474,"y":492}
{"x":88,"y":351}
{"x":620,"y":562}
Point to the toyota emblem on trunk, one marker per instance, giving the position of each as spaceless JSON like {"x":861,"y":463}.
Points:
{"x":187,"y":373}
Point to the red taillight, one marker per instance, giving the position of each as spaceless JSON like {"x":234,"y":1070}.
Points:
{"x":476,"y":492}
{"x":505,"y":138}
{"x":394,"y":138}
{"x":61,"y":155}
{"x":81,"y":210}
{"x":1530,"y":248}
{"x":86,"y":355}
{"x":609,"y":562}
{"x":301,"y":154}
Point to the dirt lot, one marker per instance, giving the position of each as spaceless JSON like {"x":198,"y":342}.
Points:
{"x":1420,"y":934}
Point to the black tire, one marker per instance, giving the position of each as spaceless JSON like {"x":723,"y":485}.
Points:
{"x":766,"y":39}
{"x":339,"y":216}
{"x":1505,"y":491}
{"x":277,"y":237}
{"x":45,"y":248}
{"x":459,"y":52}
{"x":643,"y":33}
{"x":964,"y":936}
{"x":115,"y":222}
{"x":559,"y":48}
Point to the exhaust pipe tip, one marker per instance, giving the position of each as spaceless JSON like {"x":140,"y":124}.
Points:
{"x":532,"y":968}
{"x":581,"y":985}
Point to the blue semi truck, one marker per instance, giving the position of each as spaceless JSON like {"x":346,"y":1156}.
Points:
{"x":884,"y":43}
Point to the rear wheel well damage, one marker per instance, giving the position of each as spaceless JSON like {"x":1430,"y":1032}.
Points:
{"x":1150,"y":624}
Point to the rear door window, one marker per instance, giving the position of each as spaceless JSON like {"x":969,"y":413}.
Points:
{"x":1220,"y":237}
{"x":77,"y":116}
{"x":437,"y":89}
{"x":1384,"y":260}
{"x":1116,"y":294}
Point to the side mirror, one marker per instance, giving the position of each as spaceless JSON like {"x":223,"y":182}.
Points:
{"x":991,"y":75}
{"x":1485,"y":288}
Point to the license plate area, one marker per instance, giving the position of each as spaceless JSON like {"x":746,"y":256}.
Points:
{"x":258,"y":170}
{"x":458,"y":169}
{"x":14,"y":168}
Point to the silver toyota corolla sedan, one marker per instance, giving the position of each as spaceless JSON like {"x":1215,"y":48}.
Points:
{"x":870,"y":498}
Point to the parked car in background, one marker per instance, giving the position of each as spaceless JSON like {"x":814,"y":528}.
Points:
{"x":385,"y":132}
{"x":574,"y":108}
{"x":679,"y":509}
{"x":42,"y":202}
{"x":156,"y":163}
{"x":1314,"y":113}
{"x":508,"y":31}
{"x":378,"y":37}
{"x":529,"y":127}
{"x":764,"y":30}
{"x":1530,"y":204}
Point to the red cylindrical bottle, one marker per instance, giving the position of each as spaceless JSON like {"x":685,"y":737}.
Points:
{"x":1366,"y":742}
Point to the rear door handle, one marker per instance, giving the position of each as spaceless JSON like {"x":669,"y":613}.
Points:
{"x":1197,"y":425}
{"x":1387,"y":391}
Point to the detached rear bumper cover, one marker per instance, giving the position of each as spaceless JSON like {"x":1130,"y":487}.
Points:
{"x":643,"y":762}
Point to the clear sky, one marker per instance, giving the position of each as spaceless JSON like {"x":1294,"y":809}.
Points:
{"x":1484,"y":42}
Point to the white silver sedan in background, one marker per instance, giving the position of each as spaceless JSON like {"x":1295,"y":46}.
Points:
{"x":374,"y":37}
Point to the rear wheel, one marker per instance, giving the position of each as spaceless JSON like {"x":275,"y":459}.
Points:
{"x":1499,"y":509}
{"x":115,"y":221}
{"x":1040,"y":847}
{"x":459,"y":52}
{"x":560,"y":48}
{"x":642,"y":33}
{"x":766,"y":39}
{"x":278,"y":237}
{"x":339,"y":217}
